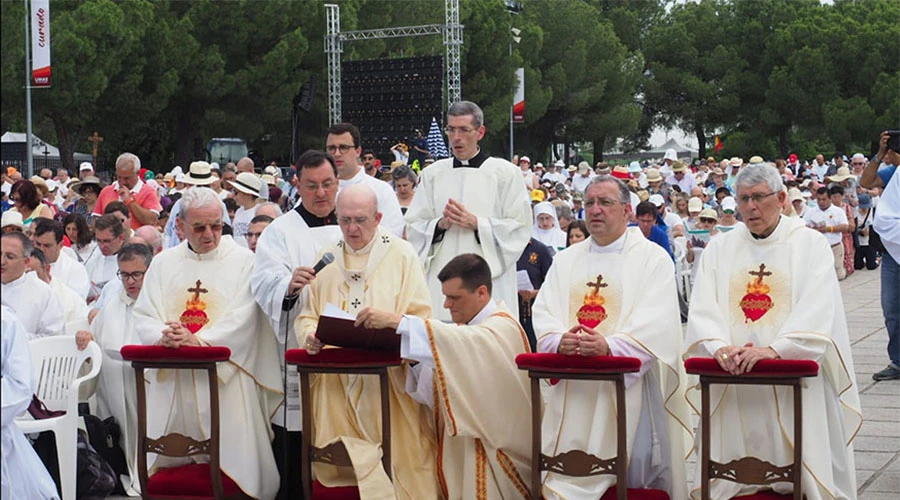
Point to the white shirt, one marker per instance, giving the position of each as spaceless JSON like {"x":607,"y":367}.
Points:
{"x":37,"y":306}
{"x":580,"y":182}
{"x":815,"y":217}
{"x":391,"y":216}
{"x":241,"y":225}
{"x":72,"y":273}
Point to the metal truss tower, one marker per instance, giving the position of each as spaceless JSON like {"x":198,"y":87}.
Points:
{"x":334,"y":47}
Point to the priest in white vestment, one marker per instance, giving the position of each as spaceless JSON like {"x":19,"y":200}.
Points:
{"x":75,"y":309}
{"x":767,"y":291}
{"x":112,"y":329}
{"x":343,"y":143}
{"x":22,"y":474}
{"x":483,"y":428}
{"x":33,"y":301}
{"x":470,"y":203}
{"x":48,"y":237}
{"x":198,"y":293}
{"x":285,"y":255}
{"x":614,"y":294}
{"x":372,"y":268}
{"x":101,"y":266}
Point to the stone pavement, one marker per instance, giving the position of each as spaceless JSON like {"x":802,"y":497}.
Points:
{"x":877,"y":446}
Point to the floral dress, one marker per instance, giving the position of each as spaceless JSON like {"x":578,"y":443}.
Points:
{"x":847,"y":240}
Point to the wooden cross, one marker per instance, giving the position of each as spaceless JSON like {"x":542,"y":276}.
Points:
{"x":197,"y":291}
{"x":759,"y":274}
{"x":95,"y":140}
{"x":598,"y":284}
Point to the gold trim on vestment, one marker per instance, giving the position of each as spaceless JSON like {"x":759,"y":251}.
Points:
{"x":480,"y":471}
{"x":510,"y":470}
{"x":440,"y":378}
{"x":519,"y":326}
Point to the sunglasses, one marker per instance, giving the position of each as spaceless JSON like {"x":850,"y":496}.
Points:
{"x":708,"y":220}
{"x":212,"y":227}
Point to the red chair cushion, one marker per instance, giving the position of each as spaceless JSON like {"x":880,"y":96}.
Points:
{"x":636,"y":494}
{"x":188,"y":481}
{"x":763,"y":368}
{"x":562,"y":364}
{"x":321,"y":492}
{"x":340,"y":357}
{"x":764,"y":495}
{"x":186,"y":353}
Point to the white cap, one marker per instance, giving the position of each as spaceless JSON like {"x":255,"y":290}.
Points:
{"x":86,"y":165}
{"x":525,"y":158}
{"x":729,"y":204}
{"x":670,"y":155}
{"x":559,"y":163}
{"x":271,"y":170}
{"x":657,"y":200}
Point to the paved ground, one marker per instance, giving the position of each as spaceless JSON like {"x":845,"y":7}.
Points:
{"x":877,"y":445}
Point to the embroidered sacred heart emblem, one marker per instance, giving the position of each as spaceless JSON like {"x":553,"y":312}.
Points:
{"x":591,"y":315}
{"x":756,"y":303}
{"x":194,"y":319}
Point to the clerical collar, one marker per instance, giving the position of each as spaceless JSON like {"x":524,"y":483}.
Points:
{"x":18,"y":281}
{"x":312,"y":220}
{"x":485,"y":313}
{"x":758,"y":237}
{"x":614,"y":247}
{"x":473,"y":162}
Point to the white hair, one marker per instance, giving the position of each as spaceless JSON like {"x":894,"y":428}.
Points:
{"x":858,"y":156}
{"x":758,"y":173}
{"x":197,"y":198}
{"x":135,"y":161}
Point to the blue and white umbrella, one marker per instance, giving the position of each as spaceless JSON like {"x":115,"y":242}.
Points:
{"x":436,"y":145}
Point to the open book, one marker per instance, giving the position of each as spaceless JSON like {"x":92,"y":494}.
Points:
{"x":336,"y":328}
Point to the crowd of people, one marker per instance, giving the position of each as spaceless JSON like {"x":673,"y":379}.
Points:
{"x":472,"y":260}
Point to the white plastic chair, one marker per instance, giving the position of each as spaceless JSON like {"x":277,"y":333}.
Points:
{"x":56,"y":362}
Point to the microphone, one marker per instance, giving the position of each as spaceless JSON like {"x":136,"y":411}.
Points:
{"x":326,"y":259}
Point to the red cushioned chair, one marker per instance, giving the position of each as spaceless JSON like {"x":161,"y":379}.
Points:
{"x":577,"y":462}
{"x":751,"y":470}
{"x":192,"y":481}
{"x":339,"y":361}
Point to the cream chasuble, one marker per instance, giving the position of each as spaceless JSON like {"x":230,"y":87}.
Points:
{"x":629,"y":297}
{"x":74,"y":307}
{"x":482,"y":408}
{"x":116,"y":397}
{"x":387,"y":275}
{"x":493,"y":192}
{"x":782,"y":292}
{"x":210,"y":294}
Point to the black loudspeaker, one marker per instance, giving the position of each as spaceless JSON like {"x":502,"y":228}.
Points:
{"x":388,"y":99}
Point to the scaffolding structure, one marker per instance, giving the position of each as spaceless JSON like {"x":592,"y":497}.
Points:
{"x":451,"y":31}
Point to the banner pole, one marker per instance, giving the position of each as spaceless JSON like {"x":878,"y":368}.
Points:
{"x":29,"y":149}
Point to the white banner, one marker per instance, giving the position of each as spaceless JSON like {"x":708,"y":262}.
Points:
{"x":40,"y":43}
{"x":519,"y":98}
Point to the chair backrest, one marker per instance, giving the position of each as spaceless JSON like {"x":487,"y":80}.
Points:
{"x":56,"y":362}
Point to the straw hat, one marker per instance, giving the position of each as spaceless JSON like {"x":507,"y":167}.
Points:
{"x":843,"y":174}
{"x":247,"y":183}
{"x":653,"y":175}
{"x":200,"y":174}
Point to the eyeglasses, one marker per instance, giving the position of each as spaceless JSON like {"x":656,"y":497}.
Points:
{"x":708,"y":220}
{"x":459,"y":130}
{"x":130,"y":276}
{"x":359,"y":221}
{"x":216,"y":227}
{"x":755,"y":198}
{"x":604,"y":202}
{"x":315,"y":187}
{"x":343,"y":148}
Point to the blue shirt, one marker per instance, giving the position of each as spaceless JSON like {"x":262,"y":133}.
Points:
{"x":886,"y":173}
{"x":658,"y":236}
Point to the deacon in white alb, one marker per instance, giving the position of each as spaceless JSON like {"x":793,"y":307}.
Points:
{"x":48,"y":237}
{"x":470,"y":203}
{"x":343,"y":144}
{"x":101,"y":267}
{"x":198,"y":293}
{"x":33,"y":301}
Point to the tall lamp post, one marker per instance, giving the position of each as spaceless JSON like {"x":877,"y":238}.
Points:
{"x":514,"y":38}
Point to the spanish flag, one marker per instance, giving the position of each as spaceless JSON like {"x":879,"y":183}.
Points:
{"x":717,"y":145}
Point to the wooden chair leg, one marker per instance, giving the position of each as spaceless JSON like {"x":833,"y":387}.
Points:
{"x":536,"y":402}
{"x":704,"y":439}
{"x":621,"y":444}
{"x":798,"y":440}
{"x":214,"y":444}
{"x":143,"y":477}
{"x":385,"y":422}
{"x":305,"y":436}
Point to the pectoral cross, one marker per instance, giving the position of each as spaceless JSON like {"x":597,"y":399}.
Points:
{"x":95,"y":140}
{"x":761,"y":273}
{"x":197,"y":291}
{"x":598,"y":284}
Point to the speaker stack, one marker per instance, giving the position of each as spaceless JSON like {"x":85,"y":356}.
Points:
{"x":388,"y":99}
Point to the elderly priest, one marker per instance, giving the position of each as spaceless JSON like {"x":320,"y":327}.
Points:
{"x":198,"y":294}
{"x":372,"y":268}
{"x":767,"y":290}
{"x":483,"y":427}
